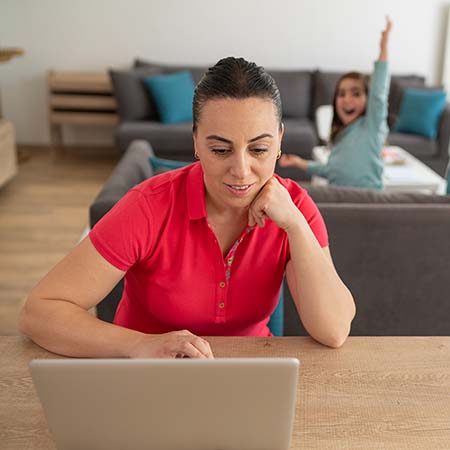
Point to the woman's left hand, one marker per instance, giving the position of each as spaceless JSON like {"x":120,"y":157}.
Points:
{"x":273,"y":202}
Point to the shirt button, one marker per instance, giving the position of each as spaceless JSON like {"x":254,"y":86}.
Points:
{"x":221,"y":305}
{"x":222,"y":284}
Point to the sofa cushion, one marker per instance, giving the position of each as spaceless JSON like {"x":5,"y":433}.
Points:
{"x":133,"y":99}
{"x":418,"y":146}
{"x":295,"y":91}
{"x":167,"y":140}
{"x":420,"y":112}
{"x":299,"y":137}
{"x":173,"y":94}
{"x":336,"y":194}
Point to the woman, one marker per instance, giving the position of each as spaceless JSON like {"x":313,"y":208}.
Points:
{"x":203,"y":249}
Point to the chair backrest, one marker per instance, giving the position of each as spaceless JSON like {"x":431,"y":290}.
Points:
{"x":276,"y":322}
{"x":448,"y":178}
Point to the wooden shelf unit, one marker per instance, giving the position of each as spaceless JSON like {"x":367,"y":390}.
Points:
{"x":79,"y":98}
{"x":8,"y":151}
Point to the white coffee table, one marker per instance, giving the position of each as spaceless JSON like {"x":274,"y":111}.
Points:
{"x":411,"y":175}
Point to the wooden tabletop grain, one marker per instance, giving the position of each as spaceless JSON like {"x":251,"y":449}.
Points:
{"x":373,"y":393}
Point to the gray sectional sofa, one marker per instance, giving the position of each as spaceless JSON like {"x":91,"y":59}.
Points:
{"x":391,"y":249}
{"x":302,"y":92}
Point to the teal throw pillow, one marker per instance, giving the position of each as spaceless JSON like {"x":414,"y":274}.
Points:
{"x":420,"y":112}
{"x":448,"y":181}
{"x":276,"y":322}
{"x":172,"y":94}
{"x":160,"y":165}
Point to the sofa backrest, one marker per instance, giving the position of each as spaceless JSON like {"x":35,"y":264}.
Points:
{"x":302,"y":91}
{"x":295,"y":85}
{"x":394,"y":259}
{"x":390,"y":249}
{"x":339,"y":194}
{"x":196,"y":71}
{"x":295,"y":89}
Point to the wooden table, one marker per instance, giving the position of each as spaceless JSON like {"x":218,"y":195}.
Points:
{"x":373,"y":393}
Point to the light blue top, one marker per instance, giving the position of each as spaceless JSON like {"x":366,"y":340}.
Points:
{"x":355,"y":158}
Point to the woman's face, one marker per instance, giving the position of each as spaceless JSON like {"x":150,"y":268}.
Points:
{"x":237,"y":141}
{"x":351,"y":100}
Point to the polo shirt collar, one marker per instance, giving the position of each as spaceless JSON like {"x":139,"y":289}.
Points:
{"x":195,"y":191}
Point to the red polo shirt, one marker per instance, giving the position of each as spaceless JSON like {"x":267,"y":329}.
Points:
{"x":176,"y":277}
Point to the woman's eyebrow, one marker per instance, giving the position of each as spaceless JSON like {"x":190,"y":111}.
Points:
{"x":261,"y":136}
{"x":215,"y":137}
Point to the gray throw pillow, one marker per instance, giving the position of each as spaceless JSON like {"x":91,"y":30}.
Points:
{"x":197,"y":72}
{"x":134,"y":101}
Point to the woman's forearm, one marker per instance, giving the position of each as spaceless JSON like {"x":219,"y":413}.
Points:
{"x":65,"y":328}
{"x":324,"y":303}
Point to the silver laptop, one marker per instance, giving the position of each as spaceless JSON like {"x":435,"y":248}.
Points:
{"x":168,"y":404}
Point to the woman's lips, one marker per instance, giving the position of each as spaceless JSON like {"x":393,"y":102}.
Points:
{"x":239,"y":189}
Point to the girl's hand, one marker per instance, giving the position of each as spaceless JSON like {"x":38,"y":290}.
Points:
{"x":384,"y":40}
{"x":176,"y":344}
{"x":273,"y":202}
{"x":288,"y":160}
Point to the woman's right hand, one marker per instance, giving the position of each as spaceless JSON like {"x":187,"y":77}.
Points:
{"x":176,"y":344}
{"x":289,"y":160}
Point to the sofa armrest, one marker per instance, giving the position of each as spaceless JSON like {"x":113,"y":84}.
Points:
{"x":132,"y":169}
{"x":444,"y":132}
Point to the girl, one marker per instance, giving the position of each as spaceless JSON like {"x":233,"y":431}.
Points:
{"x":358,"y":129}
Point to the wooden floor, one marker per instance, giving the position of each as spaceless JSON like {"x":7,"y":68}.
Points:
{"x":43,"y":212}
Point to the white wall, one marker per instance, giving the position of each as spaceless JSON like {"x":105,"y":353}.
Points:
{"x":95,"y":34}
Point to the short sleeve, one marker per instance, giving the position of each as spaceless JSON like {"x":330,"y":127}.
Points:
{"x":123,"y":235}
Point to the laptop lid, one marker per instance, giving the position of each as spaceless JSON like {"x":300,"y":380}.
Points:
{"x":168,"y":404}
